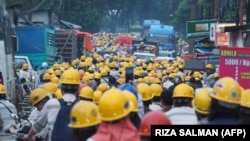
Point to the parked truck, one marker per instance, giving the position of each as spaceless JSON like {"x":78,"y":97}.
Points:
{"x":38,"y":43}
{"x":146,"y":26}
{"x":72,"y":44}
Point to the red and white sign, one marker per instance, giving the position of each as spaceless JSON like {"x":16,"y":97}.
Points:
{"x":222,"y":39}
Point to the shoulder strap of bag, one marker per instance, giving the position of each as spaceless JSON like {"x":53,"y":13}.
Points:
{"x":105,"y":81}
{"x":6,"y":107}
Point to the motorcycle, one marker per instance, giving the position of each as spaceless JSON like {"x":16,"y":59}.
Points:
{"x":23,"y":126}
{"x":26,"y":86}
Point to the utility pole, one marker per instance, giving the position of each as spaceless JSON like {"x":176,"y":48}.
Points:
{"x":241,"y":13}
{"x":216,"y":8}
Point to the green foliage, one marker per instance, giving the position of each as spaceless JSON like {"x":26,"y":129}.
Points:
{"x":81,"y":13}
{"x":182,"y":14}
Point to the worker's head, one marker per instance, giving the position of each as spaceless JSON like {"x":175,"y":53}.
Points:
{"x":38,"y":98}
{"x":84,"y":120}
{"x":86,"y":93}
{"x":25,"y":66}
{"x":152,"y":118}
{"x":209,"y":68}
{"x":226,"y":98}
{"x":70,"y":81}
{"x":114,"y":106}
{"x":2,"y":92}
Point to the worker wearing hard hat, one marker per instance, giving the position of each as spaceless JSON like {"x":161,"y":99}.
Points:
{"x":182,"y":112}
{"x":201,"y":104}
{"x":225,"y":103}
{"x":156,"y":90}
{"x":6,"y":108}
{"x":115,"y":107}
{"x":208,"y":75}
{"x":84,"y":120}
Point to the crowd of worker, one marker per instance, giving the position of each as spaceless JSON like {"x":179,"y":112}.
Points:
{"x":92,"y":99}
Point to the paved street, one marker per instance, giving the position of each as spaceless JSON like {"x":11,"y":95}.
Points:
{"x":6,"y":137}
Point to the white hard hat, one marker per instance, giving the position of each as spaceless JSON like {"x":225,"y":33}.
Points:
{"x":44,"y":64}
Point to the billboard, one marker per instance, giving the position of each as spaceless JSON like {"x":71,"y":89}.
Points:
{"x":199,"y":29}
{"x":222,"y":38}
{"x":235,"y":63}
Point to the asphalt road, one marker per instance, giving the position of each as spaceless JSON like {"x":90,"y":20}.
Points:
{"x":6,"y":137}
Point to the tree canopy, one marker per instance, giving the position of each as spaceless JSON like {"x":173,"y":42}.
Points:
{"x":118,"y":15}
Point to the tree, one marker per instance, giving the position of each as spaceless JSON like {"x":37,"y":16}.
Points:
{"x":82,"y":13}
{"x":182,"y":15}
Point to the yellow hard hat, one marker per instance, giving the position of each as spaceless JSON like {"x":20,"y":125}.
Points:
{"x":201,"y":101}
{"x":82,"y":58}
{"x":87,"y":92}
{"x":114,"y":105}
{"x":209,"y":66}
{"x":96,"y":96}
{"x":181,"y":66}
{"x":147,"y":79}
{"x":86,"y":79}
{"x":157,"y":81}
{"x":91,"y":68}
{"x":84,"y":114}
{"x":58,"y":94}
{"x":102,"y":87}
{"x":150,"y":67}
{"x":183,"y":90}
{"x":58,"y":72}
{"x":228,"y":90}
{"x":82,"y":64}
{"x":70,"y":76}
{"x":197,"y":74}
{"x":56,"y":66}
{"x":46,"y":76}
{"x":97,"y":75}
{"x":171,"y":75}
{"x":156,"y":89}
{"x":140,"y":80}
{"x":245,"y":98}
{"x":50,"y":87}
{"x":91,"y":76}
{"x":187,"y":78}
{"x":145,"y":92}
{"x":216,"y":75}
{"x":2,"y":89}
{"x":137,"y":73}
{"x":55,"y":80}
{"x":159,"y":75}
{"x":25,"y":66}
{"x":104,"y":72}
{"x":50,"y":71}
{"x":37,"y":95}
{"x":132,"y":98}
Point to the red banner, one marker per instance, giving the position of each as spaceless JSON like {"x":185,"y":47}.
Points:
{"x":235,"y":63}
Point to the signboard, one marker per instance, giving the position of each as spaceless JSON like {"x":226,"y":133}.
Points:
{"x":199,"y":29}
{"x":212,"y":31}
{"x":222,"y":39}
{"x":235,"y":63}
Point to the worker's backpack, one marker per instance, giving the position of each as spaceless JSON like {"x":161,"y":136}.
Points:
{"x":61,"y":131}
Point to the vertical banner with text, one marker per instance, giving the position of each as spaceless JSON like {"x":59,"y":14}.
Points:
{"x":235,"y":63}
